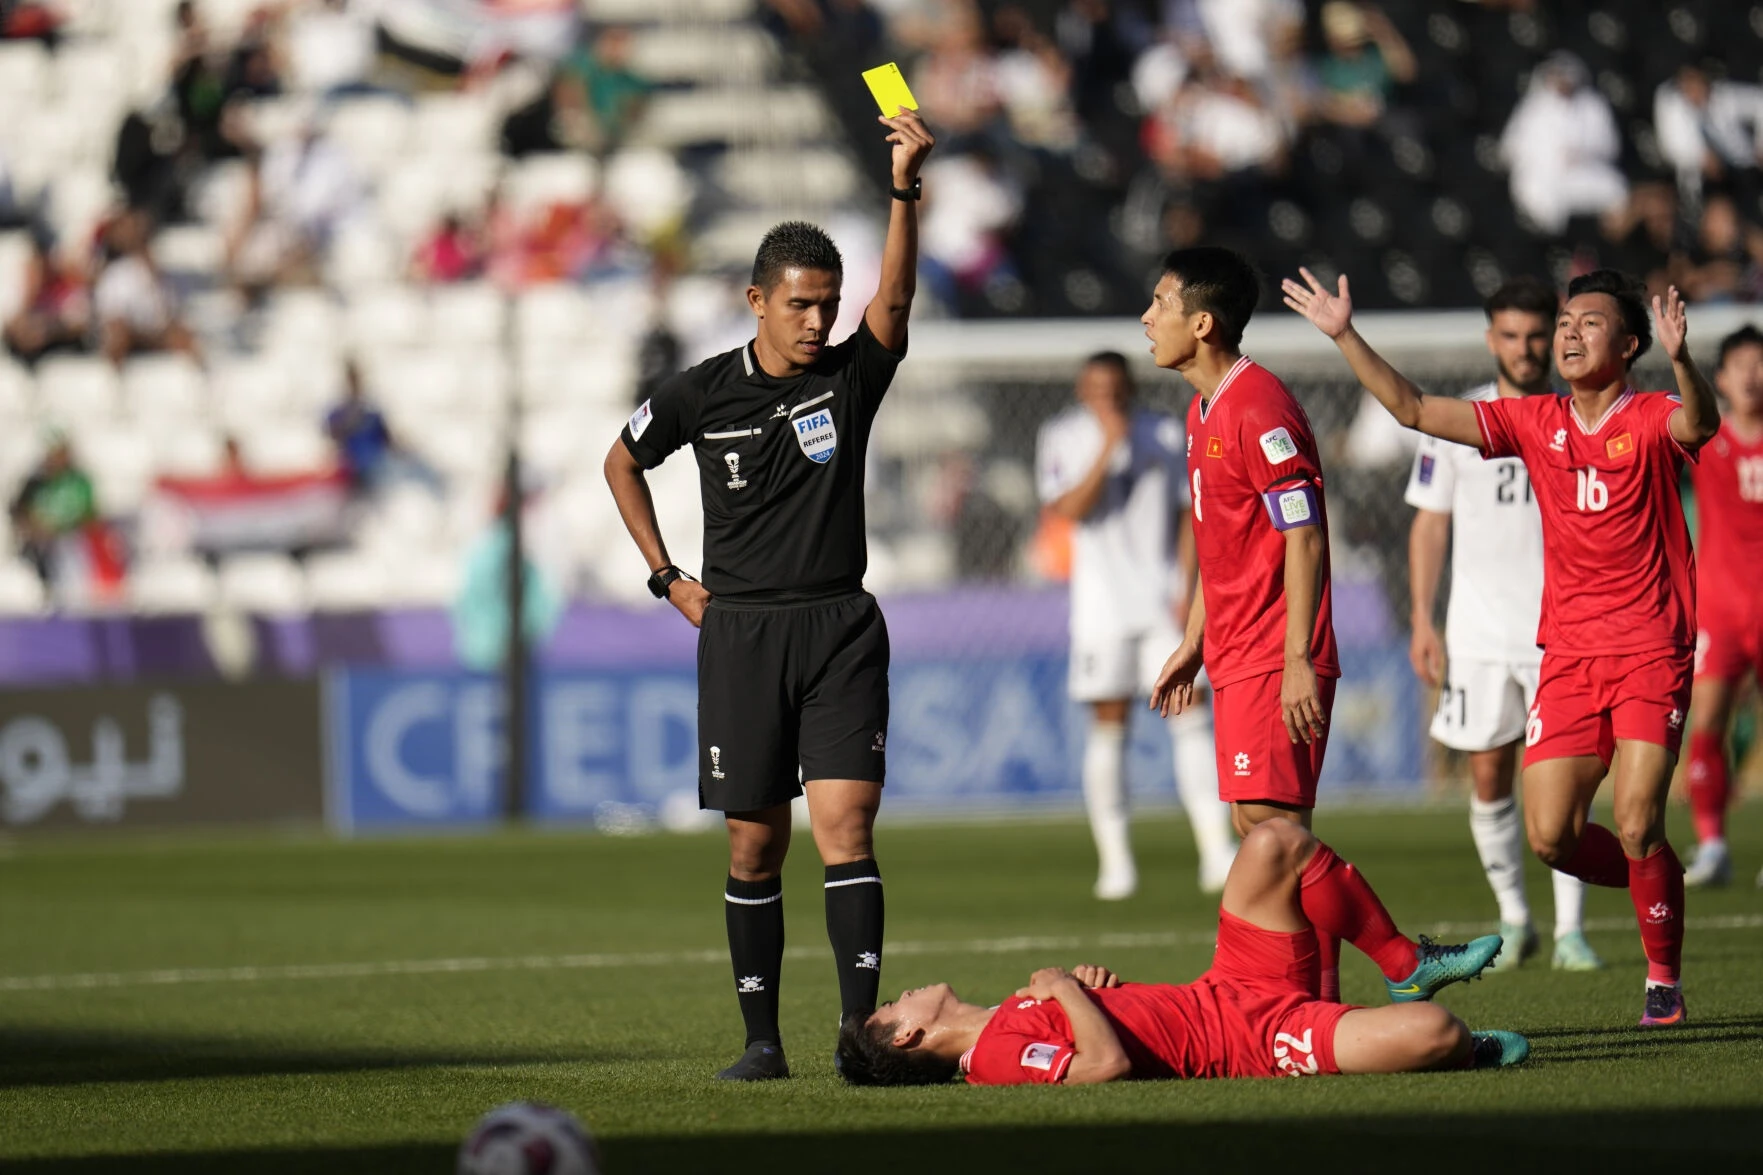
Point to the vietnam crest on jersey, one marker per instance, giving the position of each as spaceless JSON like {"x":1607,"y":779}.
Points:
{"x":816,"y":435}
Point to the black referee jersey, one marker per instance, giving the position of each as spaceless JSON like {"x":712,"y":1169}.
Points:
{"x":781,"y":465}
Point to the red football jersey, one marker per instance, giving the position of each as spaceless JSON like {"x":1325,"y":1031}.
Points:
{"x":1729,"y":504}
{"x":1618,"y":571}
{"x":1254,"y":473}
{"x":1166,"y":1030}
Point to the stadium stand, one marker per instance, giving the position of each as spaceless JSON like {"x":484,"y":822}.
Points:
{"x":487,"y":213}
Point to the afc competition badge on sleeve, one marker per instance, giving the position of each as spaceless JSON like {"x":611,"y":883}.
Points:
{"x":640,"y":421}
{"x":1278,"y":445}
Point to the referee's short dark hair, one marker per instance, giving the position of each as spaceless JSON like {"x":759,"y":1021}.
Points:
{"x":1745,"y":336}
{"x":1530,"y":295}
{"x":867,"y":1055}
{"x":1112,"y":359}
{"x":794,"y":244}
{"x":1630,"y":298}
{"x":1221,"y":282}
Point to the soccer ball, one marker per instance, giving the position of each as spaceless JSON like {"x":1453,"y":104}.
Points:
{"x":528,"y":1138}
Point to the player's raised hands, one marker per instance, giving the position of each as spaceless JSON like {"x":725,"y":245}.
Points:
{"x":1094,"y":975}
{"x":1331,"y":313}
{"x":1674,"y":327}
{"x":1174,"y":690}
{"x":912,"y":141}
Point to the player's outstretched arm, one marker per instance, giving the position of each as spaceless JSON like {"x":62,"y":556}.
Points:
{"x":892,"y":303}
{"x":1695,"y":423}
{"x":1100,"y":1055}
{"x":630,"y":489}
{"x":1445,"y":417}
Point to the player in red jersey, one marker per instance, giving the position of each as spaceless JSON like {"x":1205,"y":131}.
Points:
{"x":1260,"y":620}
{"x":1729,"y":608}
{"x":1253,"y":1014}
{"x":1619,"y":594}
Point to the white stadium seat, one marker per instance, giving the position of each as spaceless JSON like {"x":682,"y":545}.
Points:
{"x":168,"y":584}
{"x":373,"y":132}
{"x":346,"y":581}
{"x":648,"y":189}
{"x":453,"y":124}
{"x":550,"y":316}
{"x":249,"y":388}
{"x":121,"y":462}
{"x":189,"y":248}
{"x":160,"y":387}
{"x":269,"y":584}
{"x":272,"y":448}
{"x":192,"y":451}
{"x":15,"y":255}
{"x":467,"y":314}
{"x":74,"y":389}
{"x":21,"y":592}
{"x":672,"y":54}
{"x":541,"y":180}
{"x":18,"y":392}
{"x":386,"y":316}
{"x":24,"y":73}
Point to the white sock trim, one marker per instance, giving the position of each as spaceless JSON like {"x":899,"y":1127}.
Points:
{"x":854,"y":881}
{"x":776,"y":897}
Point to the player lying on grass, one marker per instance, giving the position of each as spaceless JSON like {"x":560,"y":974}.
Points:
{"x":1254,"y":1014}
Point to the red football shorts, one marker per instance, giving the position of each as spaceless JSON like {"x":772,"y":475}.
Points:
{"x":1584,"y":704}
{"x":1262,"y":980}
{"x":1257,"y":759}
{"x":1726,"y":650}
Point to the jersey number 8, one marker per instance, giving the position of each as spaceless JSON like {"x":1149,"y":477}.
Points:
{"x":1198,"y":517}
{"x":1594,"y":495}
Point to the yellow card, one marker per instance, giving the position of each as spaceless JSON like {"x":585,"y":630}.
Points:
{"x":890,"y":89}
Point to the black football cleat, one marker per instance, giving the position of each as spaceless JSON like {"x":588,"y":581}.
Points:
{"x":763,"y":1061}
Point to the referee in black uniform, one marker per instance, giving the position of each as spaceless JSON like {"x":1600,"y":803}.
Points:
{"x":792,"y":652}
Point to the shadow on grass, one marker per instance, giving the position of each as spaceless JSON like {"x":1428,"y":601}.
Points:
{"x":1604,"y":1141}
{"x":60,"y":1057}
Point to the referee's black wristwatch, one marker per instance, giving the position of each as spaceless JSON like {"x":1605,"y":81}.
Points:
{"x":915,"y":192}
{"x":663,"y":579}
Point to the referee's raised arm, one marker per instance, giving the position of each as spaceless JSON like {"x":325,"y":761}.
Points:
{"x":892,"y":303}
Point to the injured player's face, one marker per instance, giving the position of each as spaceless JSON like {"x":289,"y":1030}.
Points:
{"x":917,"y":1009}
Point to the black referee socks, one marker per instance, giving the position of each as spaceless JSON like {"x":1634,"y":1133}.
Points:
{"x":755,"y":914}
{"x":854,"y":925}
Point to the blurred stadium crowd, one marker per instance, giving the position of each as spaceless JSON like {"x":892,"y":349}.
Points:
{"x":272,"y":273}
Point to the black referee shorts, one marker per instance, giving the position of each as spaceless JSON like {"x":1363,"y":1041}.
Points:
{"x":782,"y":687}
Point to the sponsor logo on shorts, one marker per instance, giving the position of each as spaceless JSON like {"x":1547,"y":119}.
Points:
{"x":1674,"y":719}
{"x":1241,"y":763}
{"x":881,"y":742}
{"x":1533,"y":727}
{"x":1026,"y":1004}
{"x":1278,"y":445}
{"x":716,"y":763}
{"x":1039,"y":1056}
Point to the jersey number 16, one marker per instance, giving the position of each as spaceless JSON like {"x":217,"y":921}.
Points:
{"x":1594,"y":495}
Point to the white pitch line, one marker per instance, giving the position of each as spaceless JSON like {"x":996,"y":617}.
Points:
{"x":1021,"y":944}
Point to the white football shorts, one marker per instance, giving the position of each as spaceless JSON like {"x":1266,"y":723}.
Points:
{"x":1483,"y":704}
{"x":1120,"y":666}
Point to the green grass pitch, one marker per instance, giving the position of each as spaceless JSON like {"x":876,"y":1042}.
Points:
{"x":269,"y":1005}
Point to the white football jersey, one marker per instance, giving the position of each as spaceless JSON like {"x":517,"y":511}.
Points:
{"x":1496,"y":546}
{"x":1123,"y":565}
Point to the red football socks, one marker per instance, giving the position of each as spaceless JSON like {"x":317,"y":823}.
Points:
{"x":1655,"y":885}
{"x":1709,"y":785}
{"x":1339,"y":902}
{"x":1598,"y":860}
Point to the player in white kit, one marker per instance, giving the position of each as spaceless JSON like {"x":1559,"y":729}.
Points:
{"x":1486,"y":669}
{"x":1120,"y":473}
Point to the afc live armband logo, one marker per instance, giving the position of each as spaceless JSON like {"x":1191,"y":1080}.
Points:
{"x":1292,"y":506}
